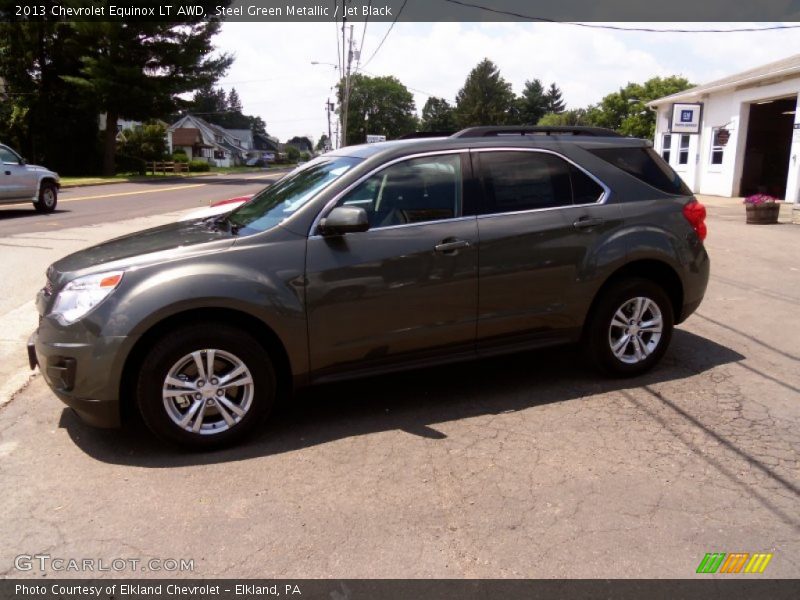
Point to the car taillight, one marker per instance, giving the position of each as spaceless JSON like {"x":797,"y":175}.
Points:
{"x":695,"y":213}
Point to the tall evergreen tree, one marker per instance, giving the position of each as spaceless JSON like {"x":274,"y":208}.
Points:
{"x":555,"y":103}
{"x":234,"y":103}
{"x":486,"y":98}
{"x":532,"y":104}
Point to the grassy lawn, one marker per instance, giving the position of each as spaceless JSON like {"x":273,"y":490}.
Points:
{"x":131,"y":177}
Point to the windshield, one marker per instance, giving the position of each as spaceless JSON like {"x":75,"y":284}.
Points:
{"x":281,"y":200}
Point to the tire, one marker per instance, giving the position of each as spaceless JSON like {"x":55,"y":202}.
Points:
{"x":48,"y":198}
{"x":604,"y":339}
{"x":235,"y":352}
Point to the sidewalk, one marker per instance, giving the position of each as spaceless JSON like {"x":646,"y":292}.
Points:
{"x":733,"y":207}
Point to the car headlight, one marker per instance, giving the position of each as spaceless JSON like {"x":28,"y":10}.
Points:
{"x":81,"y":295}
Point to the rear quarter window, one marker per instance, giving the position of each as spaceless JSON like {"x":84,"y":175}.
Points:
{"x":647,"y":166}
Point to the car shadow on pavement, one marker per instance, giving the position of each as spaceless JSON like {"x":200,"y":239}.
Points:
{"x":412,"y":402}
{"x":19,"y":213}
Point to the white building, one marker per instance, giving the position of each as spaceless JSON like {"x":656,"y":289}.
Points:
{"x":738,"y":135}
{"x":205,"y":141}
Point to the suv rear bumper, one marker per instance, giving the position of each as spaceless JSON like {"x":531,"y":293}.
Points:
{"x":80,"y":377}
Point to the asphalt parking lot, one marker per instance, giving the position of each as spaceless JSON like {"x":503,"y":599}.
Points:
{"x":523,"y":466}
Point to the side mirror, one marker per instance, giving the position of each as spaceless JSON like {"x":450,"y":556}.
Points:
{"x":344,"y":219}
{"x":22,"y":161}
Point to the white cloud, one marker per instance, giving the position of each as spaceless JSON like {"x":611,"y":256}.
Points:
{"x":275,"y":79}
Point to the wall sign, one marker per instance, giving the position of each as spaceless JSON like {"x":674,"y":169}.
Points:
{"x":686,"y":118}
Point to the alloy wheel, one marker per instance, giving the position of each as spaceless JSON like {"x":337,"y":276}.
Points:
{"x":636,"y":329}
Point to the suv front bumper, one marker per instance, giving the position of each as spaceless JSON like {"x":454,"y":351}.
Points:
{"x":80,"y":376}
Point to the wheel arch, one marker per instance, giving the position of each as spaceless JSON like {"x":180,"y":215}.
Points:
{"x":654,"y":270}
{"x":262,"y":332}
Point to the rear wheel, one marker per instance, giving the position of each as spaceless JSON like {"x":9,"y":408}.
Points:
{"x":48,"y":198}
{"x":206,"y":387}
{"x":630,"y":328}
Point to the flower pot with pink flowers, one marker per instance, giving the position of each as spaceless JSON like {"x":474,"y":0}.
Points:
{"x":762,"y":209}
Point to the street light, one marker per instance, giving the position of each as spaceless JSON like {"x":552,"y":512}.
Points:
{"x":317,"y":62}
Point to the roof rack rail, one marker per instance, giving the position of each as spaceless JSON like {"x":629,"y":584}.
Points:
{"x":522,"y":130}
{"x":425,"y":134}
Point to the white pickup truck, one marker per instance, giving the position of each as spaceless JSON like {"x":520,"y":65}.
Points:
{"x":21,"y":182}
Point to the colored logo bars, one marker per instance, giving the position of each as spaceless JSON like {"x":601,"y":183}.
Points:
{"x":714,"y":562}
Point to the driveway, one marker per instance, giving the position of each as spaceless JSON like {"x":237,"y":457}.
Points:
{"x":523,"y":466}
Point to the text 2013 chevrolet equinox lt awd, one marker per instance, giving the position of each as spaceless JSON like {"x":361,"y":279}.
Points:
{"x":374,"y":258}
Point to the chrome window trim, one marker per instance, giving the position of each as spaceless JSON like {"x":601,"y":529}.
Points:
{"x":332,"y":202}
{"x":601,"y":200}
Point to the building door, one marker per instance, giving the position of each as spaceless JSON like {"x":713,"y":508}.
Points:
{"x":768,"y":146}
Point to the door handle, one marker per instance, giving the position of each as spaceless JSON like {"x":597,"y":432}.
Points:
{"x":446,"y":246}
{"x":8,"y":172}
{"x":587,"y":222}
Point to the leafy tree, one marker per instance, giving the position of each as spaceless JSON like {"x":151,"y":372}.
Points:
{"x":292,"y":153}
{"x":234,"y":103}
{"x":438,"y":115}
{"x":323,"y":144}
{"x":555,"y":103}
{"x":532,"y":104}
{"x":626,"y":110}
{"x":567,"y":118}
{"x":148,"y":141}
{"x":486,"y":98}
{"x":378,"y":105}
{"x":136,"y":69}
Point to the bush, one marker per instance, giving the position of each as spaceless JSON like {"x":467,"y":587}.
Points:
{"x":292,"y":153}
{"x":180,"y":156}
{"x":197,"y":166}
{"x":148,"y":141}
{"x":125,"y":163}
{"x":305,"y":156}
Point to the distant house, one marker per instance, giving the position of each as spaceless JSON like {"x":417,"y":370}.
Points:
{"x":266,"y":143}
{"x":202,"y":140}
{"x":303,"y":144}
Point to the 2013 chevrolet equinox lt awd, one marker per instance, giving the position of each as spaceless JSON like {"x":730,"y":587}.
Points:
{"x":374,"y":258}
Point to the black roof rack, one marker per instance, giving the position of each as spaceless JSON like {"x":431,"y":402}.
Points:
{"x":425,"y":134}
{"x":494,"y":131}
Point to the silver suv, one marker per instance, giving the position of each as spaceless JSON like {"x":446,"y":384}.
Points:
{"x":21,"y":182}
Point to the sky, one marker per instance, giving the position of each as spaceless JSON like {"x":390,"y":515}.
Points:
{"x":275,"y":79}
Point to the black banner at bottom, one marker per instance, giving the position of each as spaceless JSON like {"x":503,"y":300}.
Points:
{"x":397,"y":589}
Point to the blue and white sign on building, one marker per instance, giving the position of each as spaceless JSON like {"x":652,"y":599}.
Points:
{"x":686,"y":118}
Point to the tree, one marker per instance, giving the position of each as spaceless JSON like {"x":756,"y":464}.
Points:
{"x":532,"y":104}
{"x":378,"y":105}
{"x":438,"y":115}
{"x":148,"y":141}
{"x":555,"y":103}
{"x":486,"y":98}
{"x":626,"y":111}
{"x":234,"y":103}
{"x":323,"y":144}
{"x":136,"y":69}
{"x":568,"y":118}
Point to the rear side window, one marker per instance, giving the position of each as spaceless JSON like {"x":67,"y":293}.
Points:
{"x":646,"y":165}
{"x":518,"y":181}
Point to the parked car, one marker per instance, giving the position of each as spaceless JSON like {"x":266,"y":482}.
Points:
{"x":376,"y":258}
{"x":220,"y":207}
{"x":21,"y":182}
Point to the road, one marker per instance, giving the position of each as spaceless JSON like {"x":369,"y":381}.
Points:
{"x":523,"y":466}
{"x":92,"y":205}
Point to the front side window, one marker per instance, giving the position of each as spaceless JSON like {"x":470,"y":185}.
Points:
{"x":518,"y":181}
{"x":683,"y":151}
{"x":281,"y":200}
{"x":413,"y":191}
{"x":666,"y":146}
{"x":7,"y":156}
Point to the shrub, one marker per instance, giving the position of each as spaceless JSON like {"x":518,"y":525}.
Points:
{"x":180,"y":156}
{"x":196,"y":166}
{"x":292,"y":153}
{"x":125,"y":163}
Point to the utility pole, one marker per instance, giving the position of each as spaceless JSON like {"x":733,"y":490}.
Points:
{"x":345,"y":104}
{"x":328,"y":109}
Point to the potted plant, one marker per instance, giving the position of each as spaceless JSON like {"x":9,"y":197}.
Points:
{"x":762,"y":209}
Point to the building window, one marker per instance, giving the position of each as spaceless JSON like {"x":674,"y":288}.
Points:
{"x":719,"y":140}
{"x":666,"y":146}
{"x":683,"y":151}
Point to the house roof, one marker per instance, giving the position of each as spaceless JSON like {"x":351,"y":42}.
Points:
{"x":780,"y":69}
{"x":209,"y":132}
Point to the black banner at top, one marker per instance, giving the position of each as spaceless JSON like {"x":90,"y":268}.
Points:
{"x":588,"y":11}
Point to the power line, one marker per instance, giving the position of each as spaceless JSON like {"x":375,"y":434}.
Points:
{"x":363,"y":35}
{"x":614,"y":27}
{"x":400,"y":12}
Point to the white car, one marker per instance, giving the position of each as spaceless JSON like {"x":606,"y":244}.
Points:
{"x":21,"y":182}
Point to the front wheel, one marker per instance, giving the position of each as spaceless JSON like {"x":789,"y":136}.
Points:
{"x":48,"y":198}
{"x":206,"y":387}
{"x":630,"y":328}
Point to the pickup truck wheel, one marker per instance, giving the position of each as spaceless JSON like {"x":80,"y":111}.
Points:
{"x":206,"y":387}
{"x":630,"y":328}
{"x":48,"y":198}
